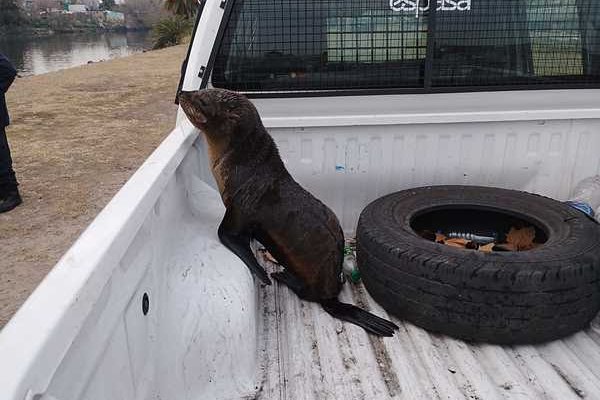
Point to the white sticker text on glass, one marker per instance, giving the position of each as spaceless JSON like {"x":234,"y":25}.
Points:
{"x":419,"y":6}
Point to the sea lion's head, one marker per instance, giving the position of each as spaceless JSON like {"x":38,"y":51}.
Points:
{"x":219,"y":113}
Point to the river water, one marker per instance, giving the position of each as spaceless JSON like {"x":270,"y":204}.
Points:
{"x":34,"y":55}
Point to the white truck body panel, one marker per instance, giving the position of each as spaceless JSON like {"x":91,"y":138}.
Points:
{"x":211,"y":332}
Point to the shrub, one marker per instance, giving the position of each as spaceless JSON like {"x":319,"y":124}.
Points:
{"x":171,"y":31}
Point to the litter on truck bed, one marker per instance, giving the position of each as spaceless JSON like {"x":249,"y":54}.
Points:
{"x":517,"y":239}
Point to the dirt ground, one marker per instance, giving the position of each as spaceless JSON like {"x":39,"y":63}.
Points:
{"x":77,"y":135}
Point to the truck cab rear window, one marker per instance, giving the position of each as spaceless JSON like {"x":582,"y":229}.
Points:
{"x":294,"y":45}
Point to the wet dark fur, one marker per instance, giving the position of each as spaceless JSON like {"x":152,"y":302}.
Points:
{"x":264,"y":202}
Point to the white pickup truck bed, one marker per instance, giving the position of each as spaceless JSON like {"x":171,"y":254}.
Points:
{"x":211,"y":332}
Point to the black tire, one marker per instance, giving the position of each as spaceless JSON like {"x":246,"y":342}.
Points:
{"x":500,"y":297}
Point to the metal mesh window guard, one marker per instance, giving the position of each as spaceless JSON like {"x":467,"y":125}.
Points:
{"x":294,"y":45}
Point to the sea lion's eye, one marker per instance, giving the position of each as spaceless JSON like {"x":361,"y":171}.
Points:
{"x":233,"y":116}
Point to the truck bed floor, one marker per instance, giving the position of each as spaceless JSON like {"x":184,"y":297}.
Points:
{"x":309,"y":355}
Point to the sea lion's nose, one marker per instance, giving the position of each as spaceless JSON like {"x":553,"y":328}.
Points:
{"x":185,"y":94}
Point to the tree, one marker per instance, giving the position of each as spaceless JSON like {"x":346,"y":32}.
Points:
{"x":44,"y":5}
{"x":184,"y":8}
{"x":143,"y":13}
{"x":10,"y":13}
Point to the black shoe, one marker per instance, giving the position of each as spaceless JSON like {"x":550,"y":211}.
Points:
{"x":10,"y":201}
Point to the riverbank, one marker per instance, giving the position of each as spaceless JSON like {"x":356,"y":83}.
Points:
{"x":77,"y":135}
{"x":49,"y":31}
{"x":66,"y":23}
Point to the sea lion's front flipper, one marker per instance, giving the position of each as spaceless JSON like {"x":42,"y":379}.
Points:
{"x":237,"y":240}
{"x":288,"y":279}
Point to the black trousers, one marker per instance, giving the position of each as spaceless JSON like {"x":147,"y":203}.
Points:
{"x":8,"y":181}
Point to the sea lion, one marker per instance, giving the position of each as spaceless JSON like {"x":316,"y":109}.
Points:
{"x":265,"y":203}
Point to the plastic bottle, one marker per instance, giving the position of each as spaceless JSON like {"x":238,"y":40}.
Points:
{"x":586,"y":196}
{"x":481,"y":239}
{"x":350,"y":269}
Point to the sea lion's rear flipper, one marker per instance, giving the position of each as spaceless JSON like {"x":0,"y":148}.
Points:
{"x":369,"y":322}
{"x":239,"y":243}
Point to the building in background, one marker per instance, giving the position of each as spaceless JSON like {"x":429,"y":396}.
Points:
{"x":77,"y":8}
{"x":92,"y":5}
{"x":114,"y":16}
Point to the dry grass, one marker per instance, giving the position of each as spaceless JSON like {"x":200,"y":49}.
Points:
{"x":76,"y":136}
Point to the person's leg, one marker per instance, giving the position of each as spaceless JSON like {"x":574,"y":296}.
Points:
{"x":7,"y":175}
{"x":9,"y":194}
